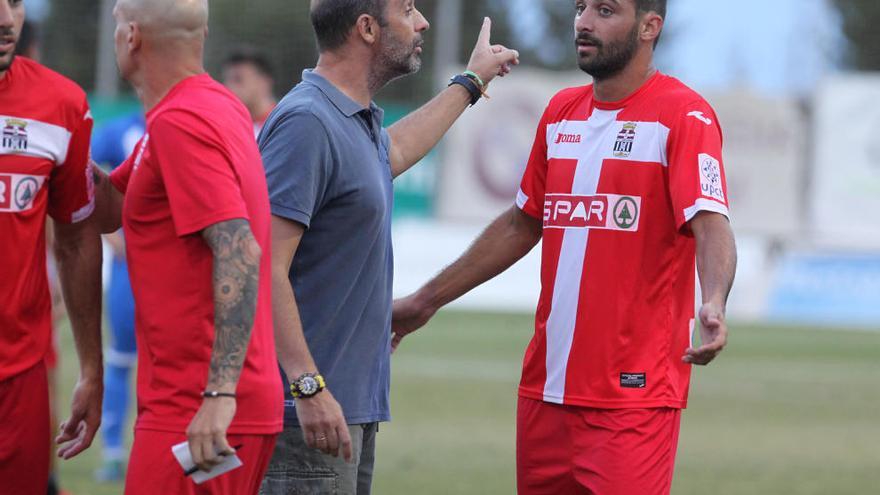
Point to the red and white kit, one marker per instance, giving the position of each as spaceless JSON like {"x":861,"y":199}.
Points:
{"x":615,"y":185}
{"x":45,"y":128}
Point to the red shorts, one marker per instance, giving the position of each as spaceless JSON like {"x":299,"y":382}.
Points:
{"x":152,"y":468}
{"x":568,"y":450}
{"x":24,"y":433}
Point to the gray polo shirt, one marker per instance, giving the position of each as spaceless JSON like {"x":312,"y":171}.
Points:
{"x":327,"y":167}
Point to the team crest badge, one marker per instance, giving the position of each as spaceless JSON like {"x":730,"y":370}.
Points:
{"x":14,"y":135}
{"x":624,"y":145}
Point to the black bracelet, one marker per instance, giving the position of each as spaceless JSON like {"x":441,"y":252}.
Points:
{"x":213,"y":394}
{"x":469,"y":85}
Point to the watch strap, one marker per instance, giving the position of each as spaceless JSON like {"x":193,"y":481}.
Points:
{"x":470,"y":85}
{"x":296,"y":386}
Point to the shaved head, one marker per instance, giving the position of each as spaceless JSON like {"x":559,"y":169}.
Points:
{"x":167,"y":18}
{"x":159,"y":43}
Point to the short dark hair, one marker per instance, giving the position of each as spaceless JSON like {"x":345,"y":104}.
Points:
{"x":658,"y":6}
{"x":249,"y":55}
{"x":333,"y":19}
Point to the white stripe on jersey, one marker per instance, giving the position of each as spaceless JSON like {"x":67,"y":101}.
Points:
{"x":597,"y":133}
{"x":34,"y":138}
{"x":566,"y":139}
{"x":602,"y":137}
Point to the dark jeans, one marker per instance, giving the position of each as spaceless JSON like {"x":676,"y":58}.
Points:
{"x":297,"y":469}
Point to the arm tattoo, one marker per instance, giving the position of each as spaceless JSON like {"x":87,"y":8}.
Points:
{"x":236,"y":285}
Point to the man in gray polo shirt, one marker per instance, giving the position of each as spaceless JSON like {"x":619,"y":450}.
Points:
{"x":330,"y":165}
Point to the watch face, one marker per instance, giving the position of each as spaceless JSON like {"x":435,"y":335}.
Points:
{"x":308,"y":385}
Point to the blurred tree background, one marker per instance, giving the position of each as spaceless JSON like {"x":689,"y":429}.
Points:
{"x":540,"y":29}
{"x":279,"y":28}
{"x":860,"y":24}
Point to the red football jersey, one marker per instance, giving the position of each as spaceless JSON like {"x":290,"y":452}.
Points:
{"x":45,"y":128}
{"x":615,"y":185}
{"x":197,"y":165}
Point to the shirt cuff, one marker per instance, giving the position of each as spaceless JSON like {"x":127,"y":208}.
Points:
{"x":294,"y":214}
{"x":703,"y":204}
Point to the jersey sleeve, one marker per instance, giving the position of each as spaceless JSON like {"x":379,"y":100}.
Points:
{"x":298,"y":159}
{"x":71,"y":186}
{"x":697,"y":180}
{"x":198,"y":174}
{"x":530,"y":198}
{"x":120,"y":175}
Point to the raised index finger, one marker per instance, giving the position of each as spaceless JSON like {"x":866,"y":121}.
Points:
{"x":485,"y":32}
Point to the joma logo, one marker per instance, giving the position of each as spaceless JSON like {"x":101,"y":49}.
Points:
{"x":568,"y":138}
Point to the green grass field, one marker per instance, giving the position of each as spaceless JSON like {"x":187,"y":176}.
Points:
{"x":783,"y":411}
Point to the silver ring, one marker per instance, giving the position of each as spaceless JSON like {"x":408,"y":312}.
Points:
{"x":321,"y":438}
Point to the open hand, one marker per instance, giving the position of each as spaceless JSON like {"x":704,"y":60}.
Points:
{"x":323,"y":425}
{"x":408,"y":315}
{"x":713,"y":336}
{"x":488,"y":60}
{"x":76,"y":434}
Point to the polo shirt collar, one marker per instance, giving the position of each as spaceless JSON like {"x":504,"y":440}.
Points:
{"x":342,"y":102}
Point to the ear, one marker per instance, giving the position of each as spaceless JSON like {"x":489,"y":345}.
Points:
{"x":368,"y":29}
{"x":652,"y":25}
{"x":135,"y":38}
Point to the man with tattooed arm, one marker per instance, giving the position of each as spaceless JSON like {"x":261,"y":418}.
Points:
{"x":193,"y":202}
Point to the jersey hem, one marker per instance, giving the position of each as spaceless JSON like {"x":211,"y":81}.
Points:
{"x":357,"y":420}
{"x":528,"y":211}
{"x":235,"y":429}
{"x":605,"y":403}
{"x":11,"y":372}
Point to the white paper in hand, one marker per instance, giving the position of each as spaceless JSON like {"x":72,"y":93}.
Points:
{"x":184,"y":457}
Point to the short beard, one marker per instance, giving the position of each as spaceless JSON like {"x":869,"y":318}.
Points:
{"x":5,"y":66}
{"x":395,"y":61}
{"x":610,"y":58}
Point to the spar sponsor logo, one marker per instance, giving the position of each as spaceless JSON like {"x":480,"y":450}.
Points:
{"x":710,"y":177}
{"x":14,"y":136}
{"x":568,"y":138}
{"x":18,"y":192}
{"x":601,"y":211}
{"x":25,"y":192}
{"x":5,"y":191}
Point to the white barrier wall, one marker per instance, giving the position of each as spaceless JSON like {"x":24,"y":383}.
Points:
{"x":485,"y":153}
{"x":845,"y":189}
{"x":766,"y":162}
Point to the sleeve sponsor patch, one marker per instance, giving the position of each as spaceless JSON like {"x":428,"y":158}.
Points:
{"x":710,"y":177}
